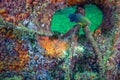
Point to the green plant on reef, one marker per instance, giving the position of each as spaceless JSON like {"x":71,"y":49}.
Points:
{"x":61,"y":23}
{"x":13,"y":78}
{"x":86,"y":76}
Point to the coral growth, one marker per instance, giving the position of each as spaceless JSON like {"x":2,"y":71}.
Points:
{"x":72,"y":2}
{"x":22,"y":55}
{"x":12,"y":11}
{"x":53,"y":48}
{"x":55,"y":1}
{"x":13,"y":56}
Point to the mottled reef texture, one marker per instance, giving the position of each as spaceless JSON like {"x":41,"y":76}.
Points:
{"x":27,"y":52}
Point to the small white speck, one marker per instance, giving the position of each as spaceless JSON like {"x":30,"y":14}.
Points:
{"x":42,"y":25}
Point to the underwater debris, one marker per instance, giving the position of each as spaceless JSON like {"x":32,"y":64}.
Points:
{"x":21,"y":28}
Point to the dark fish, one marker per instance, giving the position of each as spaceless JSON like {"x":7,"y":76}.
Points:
{"x":74,"y":17}
{"x":80,"y":19}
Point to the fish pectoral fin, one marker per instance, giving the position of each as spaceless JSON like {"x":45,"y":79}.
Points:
{"x":80,"y":24}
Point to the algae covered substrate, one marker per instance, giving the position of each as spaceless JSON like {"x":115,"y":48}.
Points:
{"x":61,"y":23}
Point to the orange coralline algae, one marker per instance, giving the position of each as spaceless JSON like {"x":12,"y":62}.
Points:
{"x":55,"y":1}
{"x":17,"y":62}
{"x":3,"y":11}
{"x":14,"y":18}
{"x":114,"y":40}
{"x":14,"y":10}
{"x":23,"y":57}
{"x":29,"y":1}
{"x":72,"y":2}
{"x":118,"y":3}
{"x":96,"y":32}
{"x":53,"y":47}
{"x":6,"y":33}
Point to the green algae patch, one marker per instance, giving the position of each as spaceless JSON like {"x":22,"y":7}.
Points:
{"x":61,"y":23}
{"x":95,"y":15}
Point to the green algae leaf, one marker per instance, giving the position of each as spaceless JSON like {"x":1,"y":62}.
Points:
{"x":95,"y":15}
{"x":61,"y":23}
